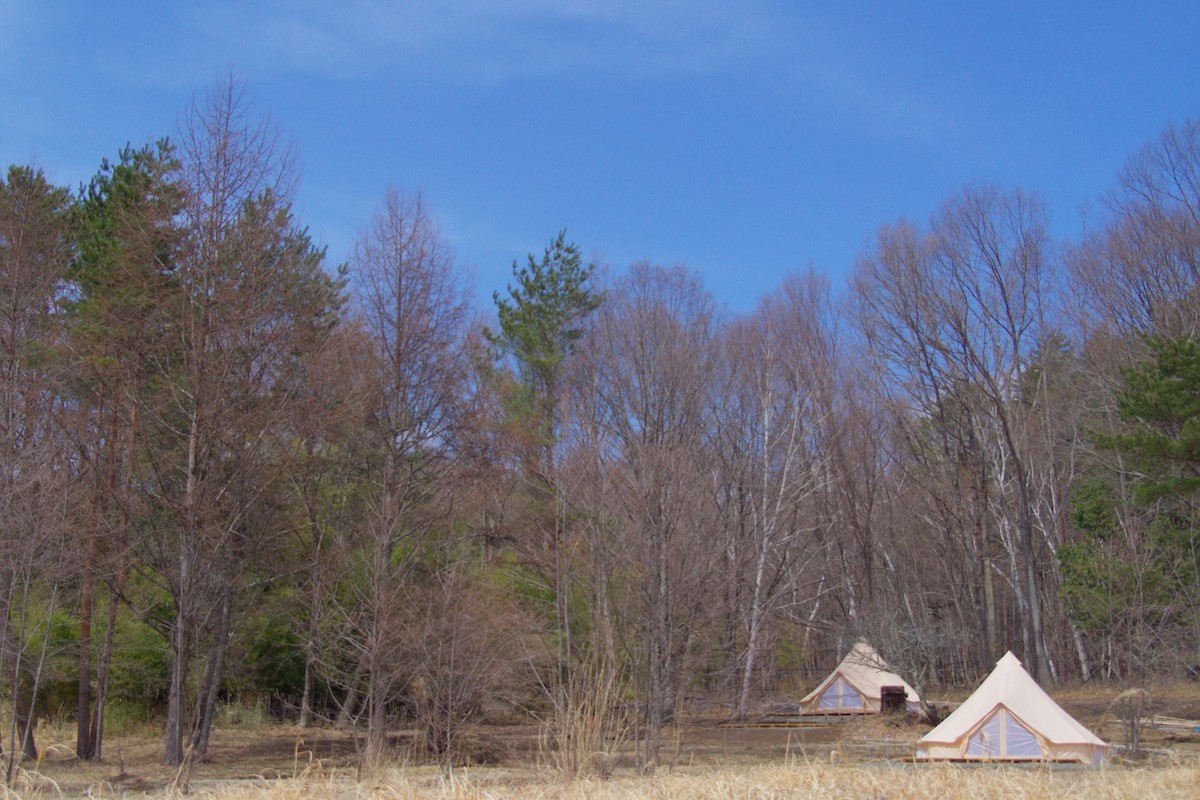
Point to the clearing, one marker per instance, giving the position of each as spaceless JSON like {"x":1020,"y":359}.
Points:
{"x":858,"y":757}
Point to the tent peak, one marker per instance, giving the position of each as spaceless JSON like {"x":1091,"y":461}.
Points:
{"x":1009,"y":658}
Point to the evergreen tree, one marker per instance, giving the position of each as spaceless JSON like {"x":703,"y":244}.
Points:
{"x":1160,"y":402}
{"x":540,"y":322}
{"x":121,"y":278}
{"x":1134,"y":575}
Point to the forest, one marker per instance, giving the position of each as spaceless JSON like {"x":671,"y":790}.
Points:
{"x":235,"y":472}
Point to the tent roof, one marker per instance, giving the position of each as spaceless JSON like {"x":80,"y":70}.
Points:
{"x":1011,"y":686}
{"x":865,"y":671}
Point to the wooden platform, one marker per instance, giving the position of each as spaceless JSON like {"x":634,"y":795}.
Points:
{"x":1173,"y":723}
{"x":797,"y":721}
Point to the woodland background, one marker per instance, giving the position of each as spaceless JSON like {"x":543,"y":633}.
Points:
{"x":231,"y":471}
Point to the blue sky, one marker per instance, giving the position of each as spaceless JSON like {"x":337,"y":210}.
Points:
{"x":745,"y":140}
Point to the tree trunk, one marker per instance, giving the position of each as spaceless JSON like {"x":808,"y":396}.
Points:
{"x":310,"y":647}
{"x":97,"y":735}
{"x":206,"y":700}
{"x":306,"y":711}
{"x":989,"y":597}
{"x":7,"y":670}
{"x":123,"y":488}
{"x":177,"y":695}
{"x":1036,"y":630}
{"x":84,"y":746}
{"x":351,"y":701}
{"x":21,"y":728}
{"x":377,"y":713}
{"x":184,"y":599}
{"x":23,"y":716}
{"x":658,"y":645}
{"x":314,"y":606}
{"x":752,"y":637}
{"x":353,"y":697}
{"x":1085,"y":668}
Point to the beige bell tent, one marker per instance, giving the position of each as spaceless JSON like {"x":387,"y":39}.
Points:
{"x":855,"y":686}
{"x":1010,"y":718}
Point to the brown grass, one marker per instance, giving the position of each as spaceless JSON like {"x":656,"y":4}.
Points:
{"x":806,"y":779}
{"x":857,"y":758}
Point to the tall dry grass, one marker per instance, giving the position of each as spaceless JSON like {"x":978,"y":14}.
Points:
{"x":591,"y":726}
{"x":807,"y":780}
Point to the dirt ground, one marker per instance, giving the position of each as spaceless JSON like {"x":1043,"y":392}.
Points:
{"x":132,"y":761}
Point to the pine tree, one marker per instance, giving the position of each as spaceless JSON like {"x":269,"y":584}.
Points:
{"x":1160,"y":401}
{"x":540,"y":322}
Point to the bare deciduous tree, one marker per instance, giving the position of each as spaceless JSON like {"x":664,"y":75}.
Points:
{"x":34,"y":255}
{"x":771,"y":420}
{"x":956,"y":317}
{"x":251,"y":301}
{"x":460,"y":652}
{"x":1139,"y":271}
{"x":413,"y":305}
{"x":649,"y":362}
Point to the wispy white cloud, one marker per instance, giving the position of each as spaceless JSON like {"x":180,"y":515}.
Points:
{"x":877,"y":103}
{"x":860,"y":84}
{"x":15,"y":21}
{"x":494,"y":39}
{"x":798,"y":56}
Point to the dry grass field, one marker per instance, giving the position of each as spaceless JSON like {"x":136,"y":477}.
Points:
{"x":862,"y":758}
{"x":798,"y":778}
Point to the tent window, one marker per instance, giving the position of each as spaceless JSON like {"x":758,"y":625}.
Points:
{"x":1019,"y":740}
{"x":840,"y":694}
{"x":985,"y":741}
{"x":1002,"y":736}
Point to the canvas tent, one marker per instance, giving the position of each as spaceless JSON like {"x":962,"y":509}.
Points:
{"x":855,"y":686}
{"x":1010,"y":718}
